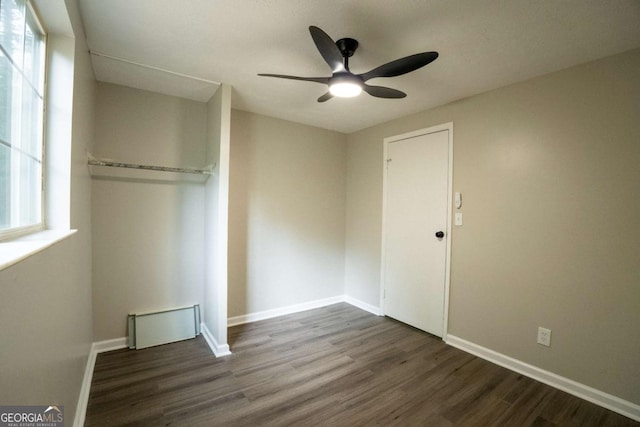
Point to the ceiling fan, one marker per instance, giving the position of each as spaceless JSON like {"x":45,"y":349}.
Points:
{"x":343,"y":83}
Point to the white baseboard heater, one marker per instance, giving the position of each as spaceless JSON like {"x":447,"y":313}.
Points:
{"x":163,"y":327}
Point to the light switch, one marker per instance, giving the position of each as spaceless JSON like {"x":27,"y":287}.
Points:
{"x":458,"y":218}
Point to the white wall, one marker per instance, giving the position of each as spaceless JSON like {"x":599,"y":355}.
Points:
{"x":148,"y":229}
{"x":216,"y":218}
{"x":549,"y":174}
{"x":286,"y":213}
{"x":45,"y":300}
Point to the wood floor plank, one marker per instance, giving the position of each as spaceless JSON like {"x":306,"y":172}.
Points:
{"x":334,"y":366}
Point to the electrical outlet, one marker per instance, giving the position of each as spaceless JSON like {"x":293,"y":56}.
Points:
{"x":544,"y":336}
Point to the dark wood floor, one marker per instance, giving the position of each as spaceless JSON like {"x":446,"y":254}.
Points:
{"x":334,"y":366}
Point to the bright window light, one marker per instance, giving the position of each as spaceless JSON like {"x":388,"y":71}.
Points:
{"x":22,"y":57}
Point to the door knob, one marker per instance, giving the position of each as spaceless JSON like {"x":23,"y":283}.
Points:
{"x":440,"y":234}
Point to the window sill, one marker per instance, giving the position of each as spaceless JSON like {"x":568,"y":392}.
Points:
{"x":16,"y":250}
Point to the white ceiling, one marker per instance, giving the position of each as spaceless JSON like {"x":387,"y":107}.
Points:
{"x":483,"y":44}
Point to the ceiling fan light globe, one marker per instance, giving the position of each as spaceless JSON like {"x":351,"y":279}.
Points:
{"x":345,"y":89}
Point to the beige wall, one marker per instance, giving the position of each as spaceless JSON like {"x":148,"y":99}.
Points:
{"x":216,"y":217}
{"x":286,"y":214}
{"x":549,"y":171}
{"x":45,"y":300}
{"x":148,"y":233}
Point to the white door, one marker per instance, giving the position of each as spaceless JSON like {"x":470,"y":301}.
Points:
{"x":417,"y":197}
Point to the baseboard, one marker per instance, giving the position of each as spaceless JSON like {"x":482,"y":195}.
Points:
{"x":217,"y":349}
{"x":282,"y":311}
{"x":110,"y":345}
{"x":363,"y":305}
{"x":616,"y":404}
{"x":85,"y":388}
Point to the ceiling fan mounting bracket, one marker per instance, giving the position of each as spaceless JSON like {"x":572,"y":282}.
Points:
{"x":347,"y":47}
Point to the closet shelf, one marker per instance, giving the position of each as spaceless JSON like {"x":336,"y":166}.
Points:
{"x":103,"y":168}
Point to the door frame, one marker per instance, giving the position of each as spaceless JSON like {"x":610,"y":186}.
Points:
{"x":447,"y":279}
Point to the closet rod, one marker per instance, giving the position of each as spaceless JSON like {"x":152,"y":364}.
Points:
{"x":97,"y":162}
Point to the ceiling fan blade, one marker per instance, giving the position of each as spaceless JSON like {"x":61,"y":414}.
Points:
{"x":327,"y":48}
{"x":401,"y":66}
{"x":324,"y":98}
{"x":383,"y":92}
{"x":324,"y":80}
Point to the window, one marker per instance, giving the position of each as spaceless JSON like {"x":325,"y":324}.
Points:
{"x":22,"y":60}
